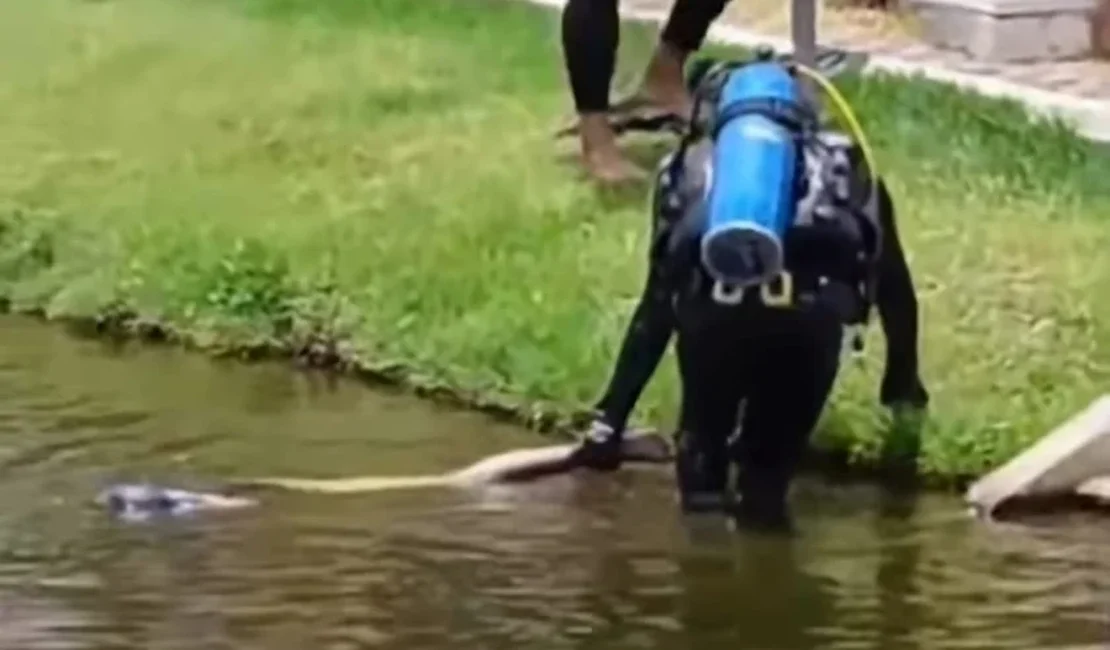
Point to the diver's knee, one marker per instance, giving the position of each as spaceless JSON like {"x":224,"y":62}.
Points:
{"x":761,"y":515}
{"x":702,"y":474}
{"x":764,"y":495}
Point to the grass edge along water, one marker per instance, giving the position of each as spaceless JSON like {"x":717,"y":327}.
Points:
{"x":330,"y":179}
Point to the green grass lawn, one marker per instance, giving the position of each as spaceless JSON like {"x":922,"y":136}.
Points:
{"x":381,"y":174}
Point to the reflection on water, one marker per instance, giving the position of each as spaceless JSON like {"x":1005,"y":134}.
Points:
{"x":573,"y":562}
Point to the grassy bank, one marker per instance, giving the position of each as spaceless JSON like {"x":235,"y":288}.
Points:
{"x":375,"y":180}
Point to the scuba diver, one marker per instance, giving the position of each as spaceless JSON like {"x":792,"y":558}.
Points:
{"x":771,"y":239}
{"x":590,"y":36}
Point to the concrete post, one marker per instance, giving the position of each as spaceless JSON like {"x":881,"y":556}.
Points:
{"x":1010,"y":31}
{"x":803,"y":31}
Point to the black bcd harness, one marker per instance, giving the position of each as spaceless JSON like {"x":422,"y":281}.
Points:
{"x":833,"y":247}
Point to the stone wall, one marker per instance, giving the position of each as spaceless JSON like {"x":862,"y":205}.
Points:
{"x":1012,"y":31}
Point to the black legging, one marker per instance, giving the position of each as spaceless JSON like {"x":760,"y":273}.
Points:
{"x":591,"y":34}
{"x":768,"y":371}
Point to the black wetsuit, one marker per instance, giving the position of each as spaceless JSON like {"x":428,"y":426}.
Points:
{"x":591,"y":33}
{"x":778,"y":365}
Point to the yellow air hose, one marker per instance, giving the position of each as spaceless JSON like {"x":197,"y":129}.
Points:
{"x":848,"y":116}
{"x":846,"y":113}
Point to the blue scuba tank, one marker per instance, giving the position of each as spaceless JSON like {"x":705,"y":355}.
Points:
{"x":752,"y":194}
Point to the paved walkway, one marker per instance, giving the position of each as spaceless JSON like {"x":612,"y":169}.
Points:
{"x":1076,"y":91}
{"x":891,"y":35}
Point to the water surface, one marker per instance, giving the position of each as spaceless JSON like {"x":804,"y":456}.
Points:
{"x":573,"y":562}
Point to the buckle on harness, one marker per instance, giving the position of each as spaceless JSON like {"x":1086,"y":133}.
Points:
{"x":785,"y":295}
{"x":732,"y":295}
{"x":775,"y":293}
{"x":852,"y":344}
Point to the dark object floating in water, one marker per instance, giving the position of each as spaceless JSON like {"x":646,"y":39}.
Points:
{"x":144,"y":501}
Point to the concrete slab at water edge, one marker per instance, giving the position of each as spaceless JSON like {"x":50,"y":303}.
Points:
{"x":1074,"y":455}
{"x":1097,"y":489}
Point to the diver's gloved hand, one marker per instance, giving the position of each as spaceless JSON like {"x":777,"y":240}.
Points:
{"x":901,"y":390}
{"x":600,"y":447}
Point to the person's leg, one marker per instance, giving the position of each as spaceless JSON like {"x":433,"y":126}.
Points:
{"x":591,"y":35}
{"x":710,"y":405}
{"x":663,"y":83}
{"x":797,"y":369}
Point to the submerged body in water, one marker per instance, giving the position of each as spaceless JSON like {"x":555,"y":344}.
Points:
{"x":144,"y":501}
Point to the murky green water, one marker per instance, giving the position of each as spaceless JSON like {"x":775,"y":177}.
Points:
{"x":575,"y":562}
